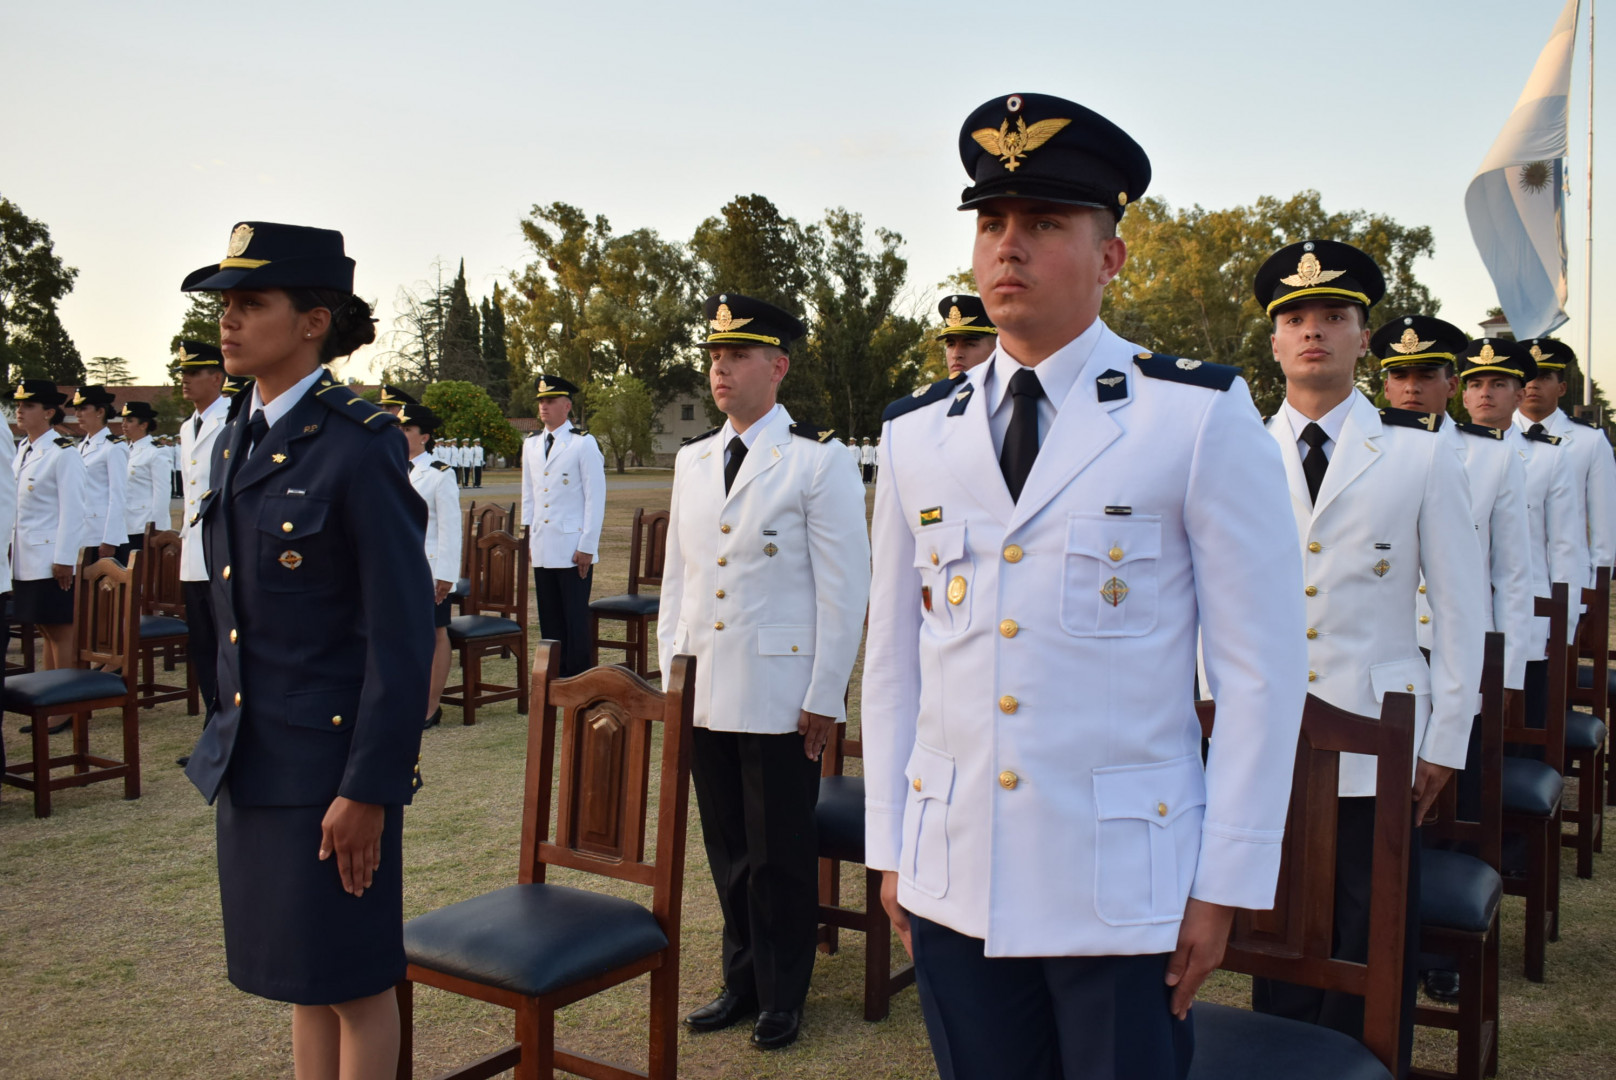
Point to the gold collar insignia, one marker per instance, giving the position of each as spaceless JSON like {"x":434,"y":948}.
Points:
{"x":1411,"y":343}
{"x":1010,"y":146}
{"x":1429,"y":421}
{"x":1310,"y":272}
{"x":725,"y":322}
{"x":239,"y":239}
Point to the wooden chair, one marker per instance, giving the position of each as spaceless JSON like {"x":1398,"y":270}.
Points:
{"x":23,"y":634}
{"x":840,"y":816}
{"x":1532,"y":794}
{"x":162,"y":624}
{"x":105,"y":634}
{"x":1586,"y":732}
{"x":535,"y":947}
{"x":478,"y":520}
{"x":634,"y":609}
{"x":1461,"y":890}
{"x":495,"y":619}
{"x":1293,"y":941}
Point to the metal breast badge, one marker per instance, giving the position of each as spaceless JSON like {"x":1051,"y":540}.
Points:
{"x":1114,"y":592}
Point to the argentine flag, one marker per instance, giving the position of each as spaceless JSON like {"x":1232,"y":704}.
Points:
{"x":1516,"y":203}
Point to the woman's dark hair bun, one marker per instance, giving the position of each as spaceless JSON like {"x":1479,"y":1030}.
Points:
{"x":351,"y":322}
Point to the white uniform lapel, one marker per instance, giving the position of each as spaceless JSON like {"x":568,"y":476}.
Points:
{"x":1082,"y":430}
{"x":1279,"y":426}
{"x":1355,"y":451}
{"x":763,"y":455}
{"x":966,"y":449}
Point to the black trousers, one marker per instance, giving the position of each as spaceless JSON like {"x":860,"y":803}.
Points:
{"x":202,"y":643}
{"x":756,"y":794}
{"x":563,"y":602}
{"x":1046,"y":1018}
{"x":477,"y":473}
{"x":1354,"y":849}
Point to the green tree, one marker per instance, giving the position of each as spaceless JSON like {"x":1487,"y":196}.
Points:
{"x":492,"y":316}
{"x":108,"y":371}
{"x":462,"y":347}
{"x":1186,"y":287}
{"x":643,"y":312}
{"x":546,"y":328}
{"x":468,"y":412}
{"x":753,"y":249}
{"x":622,"y":416}
{"x":201,"y":321}
{"x":33,"y":279}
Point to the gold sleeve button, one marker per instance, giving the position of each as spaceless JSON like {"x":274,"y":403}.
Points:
{"x":1410,"y":688}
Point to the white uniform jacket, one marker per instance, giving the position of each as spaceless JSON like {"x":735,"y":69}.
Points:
{"x":766,"y":586}
{"x":1559,"y":532}
{"x":50,"y":507}
{"x":1593,"y":472}
{"x":1497,"y":476}
{"x":106,"y":486}
{"x":1032,"y":758}
{"x":478,"y":455}
{"x":8,"y":506}
{"x":435,"y":483}
{"x":1394,"y":504}
{"x":146,"y":501}
{"x":563,"y":496}
{"x":195,"y":455}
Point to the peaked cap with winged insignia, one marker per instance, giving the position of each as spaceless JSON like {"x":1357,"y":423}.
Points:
{"x":552,"y":386}
{"x":1417,"y":341}
{"x":1550,"y":354}
{"x":740,"y":320}
{"x":197,"y":355}
{"x":139,"y":410}
{"x":1318,"y":270}
{"x":1497,"y":356}
{"x":266,"y":255}
{"x":964,"y":314}
{"x":1038,"y":146}
{"x":419,"y":416}
{"x":395,"y":395}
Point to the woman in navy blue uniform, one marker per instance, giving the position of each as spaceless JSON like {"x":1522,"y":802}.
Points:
{"x":322,"y":597}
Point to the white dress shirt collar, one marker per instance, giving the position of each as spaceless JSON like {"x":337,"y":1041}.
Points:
{"x":283,"y":403}
{"x":217,"y":407}
{"x":750,"y":435}
{"x":1332,"y":422}
{"x":1056,"y":373}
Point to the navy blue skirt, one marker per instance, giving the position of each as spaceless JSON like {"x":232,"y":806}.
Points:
{"x":290,"y":931}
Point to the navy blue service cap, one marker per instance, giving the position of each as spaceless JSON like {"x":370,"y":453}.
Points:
{"x":139,"y":410}
{"x":415,"y":415}
{"x":1318,"y":270}
{"x":1550,"y":354}
{"x":552,"y":386}
{"x":197,"y":355}
{"x":740,"y":320}
{"x":41,"y":390}
{"x":964,"y":314}
{"x":1417,"y":341}
{"x":265,"y":255}
{"x":1497,"y":356}
{"x":393,"y":395}
{"x":1038,"y":146}
{"x":91,"y":395}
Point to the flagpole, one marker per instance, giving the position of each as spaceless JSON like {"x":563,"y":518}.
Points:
{"x":1588,"y":256}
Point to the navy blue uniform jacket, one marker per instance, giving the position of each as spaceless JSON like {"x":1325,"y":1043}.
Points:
{"x":323,"y":599}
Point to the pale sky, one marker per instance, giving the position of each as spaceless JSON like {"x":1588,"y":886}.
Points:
{"x":140,"y":132}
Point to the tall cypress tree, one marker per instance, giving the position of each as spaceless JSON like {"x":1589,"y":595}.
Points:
{"x":495,"y":360}
{"x":462,"y":347}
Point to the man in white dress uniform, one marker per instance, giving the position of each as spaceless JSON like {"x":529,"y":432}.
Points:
{"x":202,"y":381}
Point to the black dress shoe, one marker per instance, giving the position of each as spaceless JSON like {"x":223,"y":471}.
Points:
{"x":54,"y":729}
{"x":183,"y":761}
{"x":434,"y":720}
{"x":1442,"y":985}
{"x":725,"y":1010}
{"x":776,"y":1029}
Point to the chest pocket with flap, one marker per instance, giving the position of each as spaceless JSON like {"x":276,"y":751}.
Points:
{"x":296,"y":552}
{"x":1109,"y":581}
{"x":946,"y":578}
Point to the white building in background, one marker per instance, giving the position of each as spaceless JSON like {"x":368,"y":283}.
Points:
{"x":681,"y":418}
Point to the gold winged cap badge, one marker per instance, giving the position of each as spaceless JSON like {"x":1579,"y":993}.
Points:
{"x":956,"y":319}
{"x":725,"y":322}
{"x":1538,"y":355}
{"x":1310,"y":272}
{"x":1486,"y":355}
{"x":240,"y":237}
{"x":1411,"y":343}
{"x":1011,"y":145}
{"x":182,"y":356}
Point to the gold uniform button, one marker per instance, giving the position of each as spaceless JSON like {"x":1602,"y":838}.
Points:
{"x":1424,"y":619}
{"x":719,"y":594}
{"x":1008,"y":780}
{"x":1315,"y":547}
{"x":1410,"y":688}
{"x":1311,"y":633}
{"x":723,"y":528}
{"x":793,"y":648}
{"x":1009,"y":628}
{"x":956,"y":591}
{"x":723,"y":561}
{"x":917,"y":783}
{"x":934,"y":558}
{"x":1116,"y":554}
{"x":1161,"y":809}
{"x":286,"y":526}
{"x":238,"y":699}
{"x":1311,"y":590}
{"x":226,"y":573}
{"x":1013,"y":553}
{"x":1008,"y":704}
{"x":718,"y":626}
{"x":1312,"y":676}
{"x":336,"y":721}
{"x":232,"y":637}
{"x":1422,"y":590}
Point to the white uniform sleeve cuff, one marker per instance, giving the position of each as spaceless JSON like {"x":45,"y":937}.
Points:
{"x":883,"y":836}
{"x":1238,"y":867}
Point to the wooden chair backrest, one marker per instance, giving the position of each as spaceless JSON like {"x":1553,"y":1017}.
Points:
{"x":1551,"y":738}
{"x":1293,"y":942}
{"x":649,"y":549}
{"x":1594,"y":642}
{"x":499,"y":577}
{"x":107,"y":618}
{"x":161,"y":590}
{"x":1443,"y":822}
{"x":480,"y":519}
{"x":608,"y":717}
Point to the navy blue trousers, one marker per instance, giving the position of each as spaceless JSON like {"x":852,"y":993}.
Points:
{"x":1046,"y":1018}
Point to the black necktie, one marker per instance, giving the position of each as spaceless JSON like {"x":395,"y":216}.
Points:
{"x":549,"y":441}
{"x":1535,"y":430}
{"x":1314,"y":462}
{"x":257,"y":428}
{"x":1021,"y":437}
{"x":737,"y":454}
{"x":196,"y":426}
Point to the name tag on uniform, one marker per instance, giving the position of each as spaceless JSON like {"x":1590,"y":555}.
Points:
{"x":296,"y":491}
{"x":1119,"y":511}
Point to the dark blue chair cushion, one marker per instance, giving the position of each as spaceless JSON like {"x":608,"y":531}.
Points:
{"x":1531,"y":787}
{"x":1583,"y":731}
{"x":1458,"y":891}
{"x":462,"y":587}
{"x":627,"y":604}
{"x":471,"y":627}
{"x":40,"y":689}
{"x":1585,"y":679}
{"x":840,"y":816}
{"x":533,"y":939}
{"x":1234,"y":1044}
{"x":156,"y":626}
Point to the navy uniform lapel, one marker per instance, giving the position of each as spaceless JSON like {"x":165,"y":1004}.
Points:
{"x":277,"y":450}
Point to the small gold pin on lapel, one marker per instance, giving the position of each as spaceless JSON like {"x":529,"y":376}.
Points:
{"x":277,"y":458}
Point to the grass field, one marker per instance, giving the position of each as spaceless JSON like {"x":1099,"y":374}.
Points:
{"x":112,"y":954}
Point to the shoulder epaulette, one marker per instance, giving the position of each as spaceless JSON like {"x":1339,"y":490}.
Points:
{"x":703,"y":435}
{"x":926,"y":395}
{"x":440,"y":466}
{"x":64,"y":442}
{"x":1424,"y":421}
{"x":114,"y":438}
{"x":1480,"y":431}
{"x":1542,"y":437}
{"x":1194,"y":372}
{"x":339,"y":399}
{"x":1583,"y":421}
{"x":575,"y":431}
{"x":813,"y":431}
